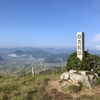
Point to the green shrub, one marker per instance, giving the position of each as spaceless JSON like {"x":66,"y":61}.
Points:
{"x":85,"y":64}
{"x":80,"y":84}
{"x":97,"y":82}
{"x":74,"y":88}
{"x":98,"y":72}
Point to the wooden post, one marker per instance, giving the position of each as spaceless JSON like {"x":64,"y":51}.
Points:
{"x":33,"y":71}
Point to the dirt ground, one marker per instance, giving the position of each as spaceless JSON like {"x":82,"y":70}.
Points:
{"x":54,"y":89}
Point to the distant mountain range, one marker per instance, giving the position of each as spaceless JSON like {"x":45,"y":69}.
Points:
{"x":35,"y":54}
{"x":49,"y":57}
{"x":49,"y":50}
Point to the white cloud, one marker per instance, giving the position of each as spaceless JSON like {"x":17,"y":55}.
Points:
{"x":12,"y":55}
{"x":96,"y":38}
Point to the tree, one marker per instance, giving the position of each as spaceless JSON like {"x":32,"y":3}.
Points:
{"x":87,"y":63}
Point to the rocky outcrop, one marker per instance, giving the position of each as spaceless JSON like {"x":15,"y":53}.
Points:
{"x":81,"y":76}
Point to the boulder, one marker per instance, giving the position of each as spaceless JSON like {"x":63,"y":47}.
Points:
{"x":72,"y":71}
{"x":71,"y":76}
{"x":82,"y":78}
{"x":83,"y":72}
{"x":92,"y":79}
{"x":65,"y":76}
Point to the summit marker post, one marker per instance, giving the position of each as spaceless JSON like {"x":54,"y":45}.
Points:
{"x":80,"y":45}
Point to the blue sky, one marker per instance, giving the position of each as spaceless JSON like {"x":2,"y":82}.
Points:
{"x":49,"y":23}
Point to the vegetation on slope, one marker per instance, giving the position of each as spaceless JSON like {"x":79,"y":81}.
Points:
{"x":89,"y":62}
{"x":24,"y":87}
{"x":27,"y":87}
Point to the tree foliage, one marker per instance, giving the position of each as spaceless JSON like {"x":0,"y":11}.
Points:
{"x":89,"y":62}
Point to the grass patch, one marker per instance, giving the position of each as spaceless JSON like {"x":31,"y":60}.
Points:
{"x":25,"y":87}
{"x":74,"y":88}
{"x":33,"y":88}
{"x":85,"y":97}
{"x":97,"y":82}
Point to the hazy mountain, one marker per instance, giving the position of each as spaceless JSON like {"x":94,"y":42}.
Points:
{"x":9,"y":50}
{"x":41,"y":54}
{"x":25,"y":49}
{"x":2,"y":60}
{"x":57,"y":58}
{"x":18,"y":52}
{"x":49,"y":57}
{"x":35,"y":54}
{"x":49,"y":50}
{"x":58,"y":50}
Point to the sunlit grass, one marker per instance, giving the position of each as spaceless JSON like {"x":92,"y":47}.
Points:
{"x":24,"y":87}
{"x":28,"y":87}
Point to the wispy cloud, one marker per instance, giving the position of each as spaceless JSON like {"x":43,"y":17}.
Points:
{"x":96,"y":38}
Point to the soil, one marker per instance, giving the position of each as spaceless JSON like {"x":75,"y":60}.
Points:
{"x":55,"y":92}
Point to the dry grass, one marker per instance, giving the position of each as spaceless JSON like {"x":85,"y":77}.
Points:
{"x":42,"y":87}
{"x":53,"y":87}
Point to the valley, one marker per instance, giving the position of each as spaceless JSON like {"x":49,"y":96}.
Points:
{"x":18,"y":62}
